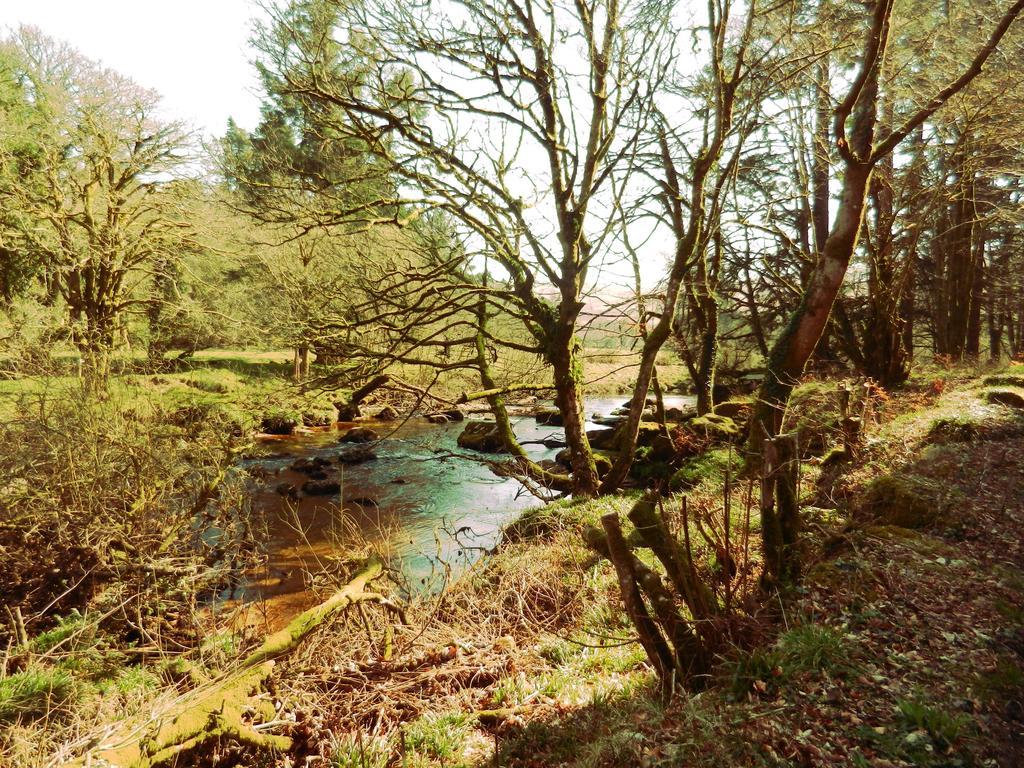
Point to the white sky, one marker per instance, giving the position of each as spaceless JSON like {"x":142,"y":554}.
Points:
{"x":195,"y":53}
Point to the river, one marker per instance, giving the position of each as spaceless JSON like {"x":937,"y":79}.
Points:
{"x":434,"y":506}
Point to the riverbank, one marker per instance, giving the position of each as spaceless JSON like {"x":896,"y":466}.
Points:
{"x":244,"y":389}
{"x":902,"y":645}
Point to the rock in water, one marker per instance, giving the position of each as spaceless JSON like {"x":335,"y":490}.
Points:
{"x":601,"y":438}
{"x":287,"y":490}
{"x":443,"y":417}
{"x":679,"y":414}
{"x":550,"y":417}
{"x":387,"y":413}
{"x":360,"y":435}
{"x":357,"y":455}
{"x":321,"y":487}
{"x":481,"y":436}
{"x":309,"y":466}
{"x":347,"y":412}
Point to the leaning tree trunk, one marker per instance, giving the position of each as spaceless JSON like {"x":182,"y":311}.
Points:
{"x":798,"y":340}
{"x":860,"y":154}
{"x":495,"y":396}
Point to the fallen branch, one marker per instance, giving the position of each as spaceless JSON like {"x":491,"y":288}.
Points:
{"x":218,"y":710}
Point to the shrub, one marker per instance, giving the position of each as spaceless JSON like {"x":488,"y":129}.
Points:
{"x":92,"y":498}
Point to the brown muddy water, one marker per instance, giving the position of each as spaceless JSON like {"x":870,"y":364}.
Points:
{"x":435,"y":507}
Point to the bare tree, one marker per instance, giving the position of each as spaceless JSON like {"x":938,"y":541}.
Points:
{"x":509,"y":117}
{"x":695,"y":156}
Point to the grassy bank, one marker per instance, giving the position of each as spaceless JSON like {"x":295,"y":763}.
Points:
{"x":902,"y":645}
{"x":238,"y":388}
{"x":243,"y":386}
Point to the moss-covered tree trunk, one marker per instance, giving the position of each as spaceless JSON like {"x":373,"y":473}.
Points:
{"x":704,"y":382}
{"x":567,"y":365}
{"x":496,"y":400}
{"x":220,"y":709}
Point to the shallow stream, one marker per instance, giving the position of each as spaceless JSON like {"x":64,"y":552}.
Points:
{"x":436,"y":506}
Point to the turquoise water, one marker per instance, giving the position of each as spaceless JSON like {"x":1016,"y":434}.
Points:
{"x":434,"y":506}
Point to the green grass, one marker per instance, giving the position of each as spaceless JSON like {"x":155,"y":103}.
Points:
{"x":71,"y":632}
{"x":710,"y":467}
{"x":544,"y":522}
{"x":807,"y":649}
{"x":360,"y":752}
{"x":437,"y":736}
{"x":34,"y":693}
{"x":236,"y":389}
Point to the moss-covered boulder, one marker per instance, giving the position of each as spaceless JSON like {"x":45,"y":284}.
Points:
{"x":1012,"y":398}
{"x":738,"y":409}
{"x":318,"y":417}
{"x":813,"y":413}
{"x":646,"y":436}
{"x":615,"y":439}
{"x":715,"y":427}
{"x":600,"y":439}
{"x":710,"y":465}
{"x":603,"y":461}
{"x":679,"y":414}
{"x":1005,"y":380}
{"x":650,"y":464}
{"x":907,"y":501}
{"x":955,"y":429}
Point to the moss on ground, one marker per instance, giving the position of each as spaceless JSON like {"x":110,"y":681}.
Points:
{"x":710,"y":466}
{"x":906,"y":500}
{"x":1011,"y":397}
